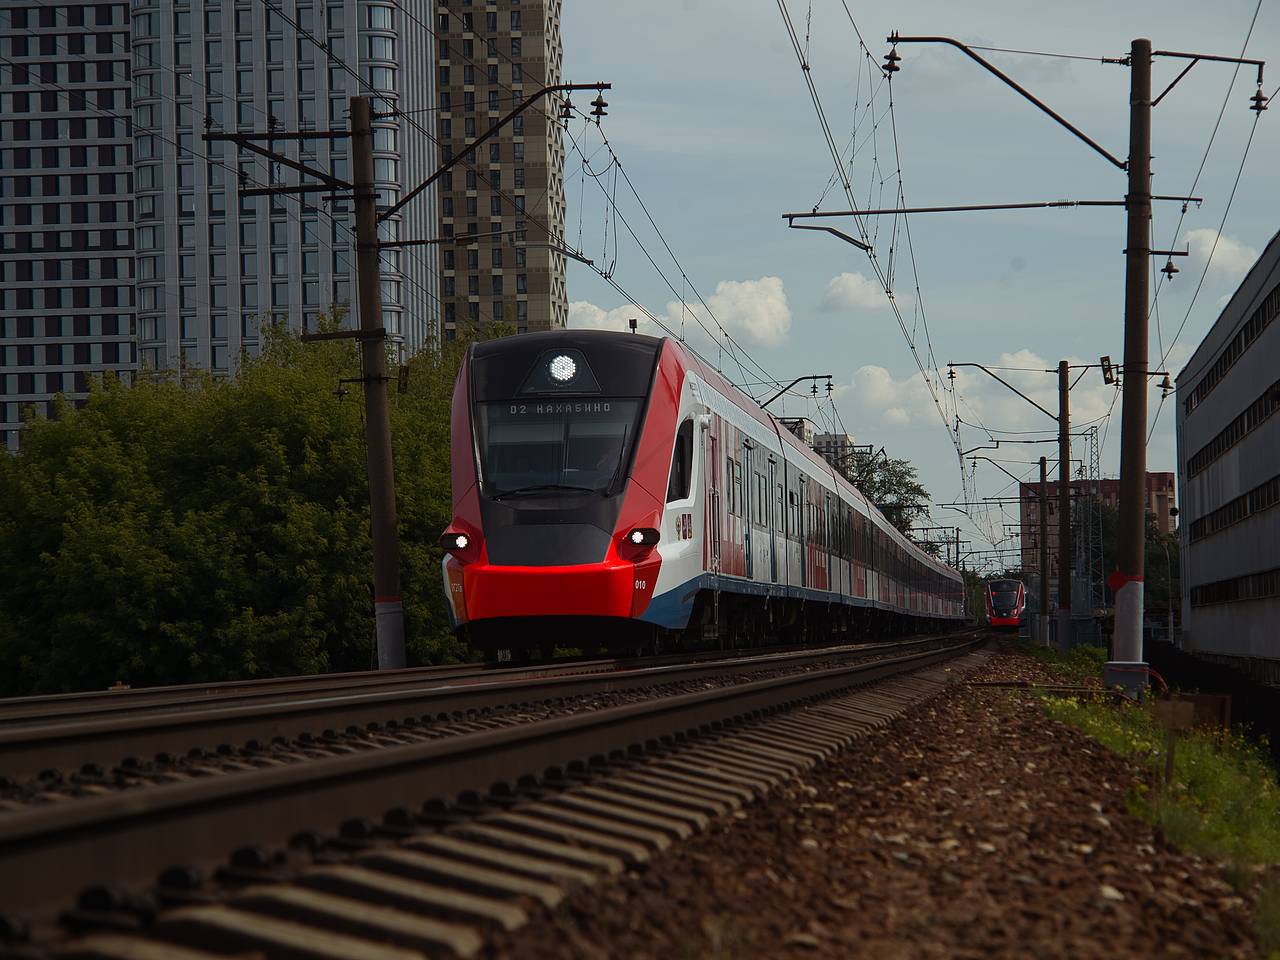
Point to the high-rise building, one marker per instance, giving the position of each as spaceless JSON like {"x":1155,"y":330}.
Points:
{"x":213,"y":265}
{"x":66,"y":203}
{"x":504,"y":207}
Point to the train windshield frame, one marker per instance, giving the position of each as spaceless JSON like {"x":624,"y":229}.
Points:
{"x":1004,"y":595}
{"x":555,"y":445}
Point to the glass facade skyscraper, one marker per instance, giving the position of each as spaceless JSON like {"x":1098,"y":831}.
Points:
{"x":213,"y":266}
{"x":124,"y":242}
{"x":66,"y":204}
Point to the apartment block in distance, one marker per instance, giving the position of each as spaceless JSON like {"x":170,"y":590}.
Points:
{"x":1229,"y":472}
{"x":66,"y":204}
{"x":1160,"y":497}
{"x":836,"y":448}
{"x":502,"y":209}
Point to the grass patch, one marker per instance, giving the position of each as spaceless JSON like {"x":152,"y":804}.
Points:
{"x":1224,"y":803}
{"x":1080,"y":664}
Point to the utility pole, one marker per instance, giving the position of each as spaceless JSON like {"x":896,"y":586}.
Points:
{"x":1044,"y":552}
{"x":1127,"y":667}
{"x":388,"y":607}
{"x":1064,"y":508}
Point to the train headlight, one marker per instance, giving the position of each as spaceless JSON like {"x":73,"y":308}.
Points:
{"x":643,"y":536}
{"x":454,"y":542}
{"x":563,"y":369}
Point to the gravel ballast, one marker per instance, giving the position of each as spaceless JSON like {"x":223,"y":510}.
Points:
{"x":972,"y":827}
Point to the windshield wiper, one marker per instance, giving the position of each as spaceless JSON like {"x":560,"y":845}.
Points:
{"x":545,"y":488}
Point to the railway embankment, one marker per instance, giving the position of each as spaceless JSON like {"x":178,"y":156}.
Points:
{"x":976,"y":825}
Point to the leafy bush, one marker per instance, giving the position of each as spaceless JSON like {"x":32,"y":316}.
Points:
{"x":189,"y":529}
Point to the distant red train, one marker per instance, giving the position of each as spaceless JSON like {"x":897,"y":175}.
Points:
{"x":613,"y":486}
{"x":1006,"y":603}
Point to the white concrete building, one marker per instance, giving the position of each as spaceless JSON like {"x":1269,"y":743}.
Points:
{"x":1229,"y":475}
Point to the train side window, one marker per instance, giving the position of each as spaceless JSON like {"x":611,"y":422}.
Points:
{"x":681,"y":463}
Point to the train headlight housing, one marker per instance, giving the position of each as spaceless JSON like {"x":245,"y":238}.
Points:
{"x":562,"y":368}
{"x":455,"y":542}
{"x":643,"y":537}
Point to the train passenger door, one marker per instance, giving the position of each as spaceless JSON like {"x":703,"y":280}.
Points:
{"x":713,"y":503}
{"x":774,"y":516}
{"x":829,"y":541}
{"x":749,"y":512}
{"x":802,"y":527}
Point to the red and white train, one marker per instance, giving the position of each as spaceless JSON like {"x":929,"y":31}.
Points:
{"x":1006,"y":603}
{"x":612,"y":487}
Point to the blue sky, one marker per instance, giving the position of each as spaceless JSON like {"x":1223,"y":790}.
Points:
{"x":712,"y":122}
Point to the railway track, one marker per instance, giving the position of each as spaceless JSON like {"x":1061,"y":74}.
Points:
{"x":87,"y":735}
{"x":119,"y":702}
{"x":420,"y":847}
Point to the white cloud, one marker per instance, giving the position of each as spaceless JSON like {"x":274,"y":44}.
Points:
{"x":756,"y":308}
{"x":1231,"y":258}
{"x":874,"y":399}
{"x":586,"y":315}
{"x":852,"y":291}
{"x":753,"y":311}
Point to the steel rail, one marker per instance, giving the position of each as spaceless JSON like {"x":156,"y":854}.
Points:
{"x":50,"y":853}
{"x":27,"y":749}
{"x":100,"y":704}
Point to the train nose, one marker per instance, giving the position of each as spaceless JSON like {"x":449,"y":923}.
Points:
{"x":583,"y":590}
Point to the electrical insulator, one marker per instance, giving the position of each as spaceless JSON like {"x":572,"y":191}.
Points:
{"x":1259,"y":101}
{"x":566,"y":109}
{"x":598,"y":107}
{"x":891,"y":61}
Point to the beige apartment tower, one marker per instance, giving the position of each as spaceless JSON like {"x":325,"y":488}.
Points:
{"x":502,"y":209}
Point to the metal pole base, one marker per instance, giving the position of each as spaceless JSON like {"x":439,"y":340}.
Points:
{"x":389,"y":615}
{"x":1130,"y":676}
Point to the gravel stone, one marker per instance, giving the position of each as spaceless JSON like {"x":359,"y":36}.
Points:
{"x":972,"y":827}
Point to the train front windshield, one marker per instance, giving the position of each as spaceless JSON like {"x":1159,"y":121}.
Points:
{"x":1004,"y":597}
{"x":531,"y":445}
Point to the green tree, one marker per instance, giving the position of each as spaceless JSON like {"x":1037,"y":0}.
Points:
{"x":892,"y":485}
{"x":189,"y":528}
{"x":1161,"y":567}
